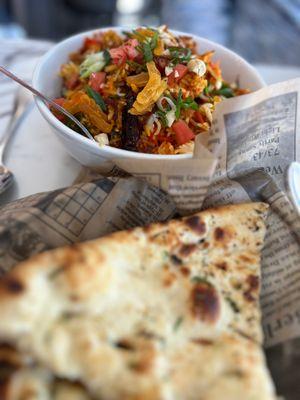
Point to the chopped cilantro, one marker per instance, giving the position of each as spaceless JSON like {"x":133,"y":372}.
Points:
{"x":154,"y":39}
{"x":206,"y":91}
{"x":233,"y":304}
{"x":67,"y":315}
{"x":147,"y":45}
{"x":177,"y":323}
{"x":184,"y":103}
{"x":225,"y":91}
{"x":180,"y":55}
{"x":97,"y":97}
{"x":147,"y":52}
{"x":190,"y":103}
{"x":56,"y":272}
{"x":106,"y":56}
{"x":178,"y":104}
{"x":200,"y":279}
{"x":133,"y":365}
{"x":162,"y":117}
{"x":127,"y":33}
{"x":136,"y":65}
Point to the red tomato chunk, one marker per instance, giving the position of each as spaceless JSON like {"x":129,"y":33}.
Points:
{"x":96,"y":80}
{"x":183,"y":132}
{"x":179,"y":71}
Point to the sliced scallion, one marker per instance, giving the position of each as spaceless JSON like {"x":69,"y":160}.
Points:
{"x":97,"y":97}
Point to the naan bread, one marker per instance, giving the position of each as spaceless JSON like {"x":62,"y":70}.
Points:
{"x":34,"y":383}
{"x":168,"y":311}
{"x":22,"y":379}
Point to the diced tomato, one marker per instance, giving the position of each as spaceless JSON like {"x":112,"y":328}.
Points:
{"x":90,"y":43}
{"x":183,"y":132}
{"x":96,"y":80}
{"x":118,"y":55}
{"x":72,"y":82}
{"x":178,"y":72}
{"x":198,"y":117}
{"x":130,"y":48}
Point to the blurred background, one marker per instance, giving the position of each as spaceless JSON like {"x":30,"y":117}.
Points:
{"x":263,"y":31}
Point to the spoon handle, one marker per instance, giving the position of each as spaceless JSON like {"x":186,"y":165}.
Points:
{"x":47,"y":101}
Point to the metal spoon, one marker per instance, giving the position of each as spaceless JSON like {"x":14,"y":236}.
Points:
{"x":47,"y":101}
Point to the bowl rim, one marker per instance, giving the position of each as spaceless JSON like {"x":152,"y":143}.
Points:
{"x":93,"y":145}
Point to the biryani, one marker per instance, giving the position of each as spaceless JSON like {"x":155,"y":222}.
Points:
{"x":145,"y":90}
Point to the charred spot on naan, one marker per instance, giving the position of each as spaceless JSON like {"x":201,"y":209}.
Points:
{"x":187,"y":249}
{"x":125,"y":344}
{"x":205,"y":302}
{"x":13,"y":285}
{"x":223,"y":235}
{"x":202,"y":341}
{"x":74,"y":254}
{"x":196,"y":224}
{"x":251,"y":294}
{"x":176,"y":260}
{"x":143,"y":360}
{"x":185,"y":271}
{"x":4,"y":388}
{"x":248,"y":258}
{"x":11,"y":361}
{"x":8,"y":352}
{"x":169,"y":278}
{"x":77,"y":273}
{"x":222,"y":265}
{"x":163,"y":237}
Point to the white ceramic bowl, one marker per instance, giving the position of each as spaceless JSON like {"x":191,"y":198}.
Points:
{"x":46,"y":79}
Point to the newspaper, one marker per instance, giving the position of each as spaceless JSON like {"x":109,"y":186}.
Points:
{"x":252,"y":142}
{"x":84,"y":211}
{"x":181,"y":179}
{"x":262,"y":138}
